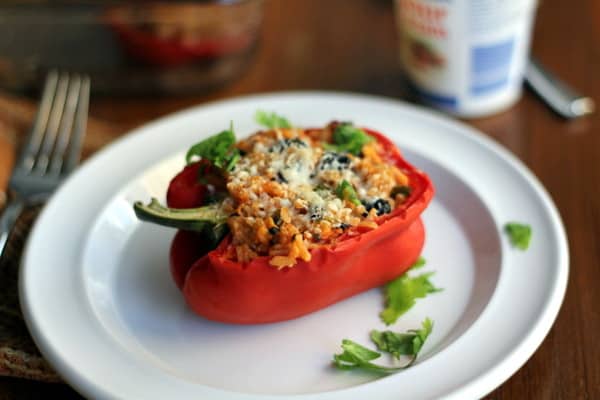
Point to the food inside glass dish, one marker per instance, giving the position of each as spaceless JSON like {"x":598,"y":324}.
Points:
{"x":290,"y":220}
{"x":169,"y":34}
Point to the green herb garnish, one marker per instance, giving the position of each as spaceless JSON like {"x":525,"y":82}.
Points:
{"x":402,"y":344}
{"x":348,"y":138}
{"x":271,"y":120}
{"x":519,"y":234}
{"x":219,"y":149}
{"x":409,"y":343}
{"x":345,"y":191}
{"x":356,"y":356}
{"x":402,"y":293}
{"x":420,"y":263}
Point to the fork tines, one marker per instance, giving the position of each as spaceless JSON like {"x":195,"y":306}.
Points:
{"x":55,"y":140}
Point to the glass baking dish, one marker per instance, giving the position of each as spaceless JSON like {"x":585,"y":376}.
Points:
{"x":128,"y":47}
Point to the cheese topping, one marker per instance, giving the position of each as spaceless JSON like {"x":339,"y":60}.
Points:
{"x":285,"y":196}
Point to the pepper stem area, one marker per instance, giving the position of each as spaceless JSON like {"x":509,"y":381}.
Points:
{"x":209,"y":220}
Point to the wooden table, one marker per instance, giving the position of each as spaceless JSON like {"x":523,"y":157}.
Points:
{"x":351,"y":46}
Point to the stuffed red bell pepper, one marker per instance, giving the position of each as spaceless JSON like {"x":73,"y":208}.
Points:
{"x":290,"y":220}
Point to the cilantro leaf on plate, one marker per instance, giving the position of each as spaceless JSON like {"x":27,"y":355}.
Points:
{"x":402,"y":344}
{"x":402,"y":293}
{"x":519,"y":234}
{"x":420,"y":263}
{"x":356,"y":356}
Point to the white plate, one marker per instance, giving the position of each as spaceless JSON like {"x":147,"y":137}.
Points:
{"x":99,"y":301}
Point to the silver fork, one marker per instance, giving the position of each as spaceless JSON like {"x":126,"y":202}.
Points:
{"x":52,"y":149}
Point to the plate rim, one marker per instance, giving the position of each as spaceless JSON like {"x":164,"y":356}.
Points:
{"x":480,"y":385}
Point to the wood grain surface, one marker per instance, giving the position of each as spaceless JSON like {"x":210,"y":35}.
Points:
{"x":351,"y":46}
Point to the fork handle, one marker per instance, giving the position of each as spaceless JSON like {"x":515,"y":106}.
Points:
{"x":7,"y":221}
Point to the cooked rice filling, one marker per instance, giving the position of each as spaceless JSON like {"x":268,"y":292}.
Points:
{"x":284,"y":197}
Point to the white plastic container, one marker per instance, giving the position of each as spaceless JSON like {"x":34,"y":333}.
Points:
{"x":466,"y":57}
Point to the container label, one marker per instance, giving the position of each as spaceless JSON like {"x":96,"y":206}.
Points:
{"x":490,"y":66}
{"x":465,"y":55}
{"x":424,"y":45}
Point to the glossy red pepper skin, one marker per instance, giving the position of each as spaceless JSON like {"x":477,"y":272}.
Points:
{"x":223,"y":290}
{"x":186,"y":190}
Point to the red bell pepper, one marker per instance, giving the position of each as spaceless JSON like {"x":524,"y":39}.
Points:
{"x":255,"y":292}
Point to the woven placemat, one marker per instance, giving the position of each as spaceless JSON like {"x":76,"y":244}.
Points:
{"x":19,"y":357}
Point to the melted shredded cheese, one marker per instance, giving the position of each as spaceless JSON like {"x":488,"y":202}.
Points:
{"x":283,"y":194}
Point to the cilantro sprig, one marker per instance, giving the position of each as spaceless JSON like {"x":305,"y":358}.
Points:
{"x":519,"y":234}
{"x":402,"y":344}
{"x":271,"y":120}
{"x":402,"y":293}
{"x":348,"y":138}
{"x":345,"y":191}
{"x":356,"y":356}
{"x":219,"y":149}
